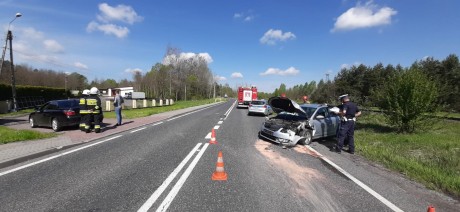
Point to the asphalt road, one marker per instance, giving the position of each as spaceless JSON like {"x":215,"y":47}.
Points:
{"x":168,"y":166}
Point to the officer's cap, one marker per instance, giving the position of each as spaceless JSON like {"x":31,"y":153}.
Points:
{"x":343,"y":96}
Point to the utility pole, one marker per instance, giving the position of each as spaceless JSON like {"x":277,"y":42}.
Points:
{"x":9,"y":37}
{"x":13,"y":78}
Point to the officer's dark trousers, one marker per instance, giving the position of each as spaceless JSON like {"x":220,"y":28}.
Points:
{"x":97,"y":122}
{"x":346,"y":132}
{"x":84,"y":121}
{"x":96,"y":118}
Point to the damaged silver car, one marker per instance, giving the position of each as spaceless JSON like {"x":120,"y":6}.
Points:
{"x":298,"y":123}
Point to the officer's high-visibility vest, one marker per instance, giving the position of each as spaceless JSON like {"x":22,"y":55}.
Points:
{"x":83,"y":105}
{"x":93,"y":104}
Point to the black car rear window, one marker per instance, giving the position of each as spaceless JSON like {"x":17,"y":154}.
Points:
{"x":68,"y":103}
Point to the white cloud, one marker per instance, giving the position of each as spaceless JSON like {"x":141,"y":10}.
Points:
{"x":31,"y":33}
{"x":53,"y":46}
{"x":219,"y":78}
{"x":108,"y":29}
{"x":121,"y":13}
{"x":109,"y":14}
{"x":245,"y":16}
{"x":364,"y":16}
{"x":272,"y":36}
{"x":206,"y":57}
{"x":133,"y":70}
{"x":291,"y":71}
{"x":80,"y":65}
{"x":237,"y":75}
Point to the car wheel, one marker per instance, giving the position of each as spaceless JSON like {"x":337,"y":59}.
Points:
{"x":308,"y":137}
{"x":56,"y":125}
{"x":32,"y":123}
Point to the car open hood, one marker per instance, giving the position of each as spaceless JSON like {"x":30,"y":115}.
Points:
{"x":280,"y":104}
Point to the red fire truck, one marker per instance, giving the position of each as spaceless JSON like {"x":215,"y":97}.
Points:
{"x":246,"y":95}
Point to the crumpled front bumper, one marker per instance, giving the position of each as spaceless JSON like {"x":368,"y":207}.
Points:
{"x":288,"y":138}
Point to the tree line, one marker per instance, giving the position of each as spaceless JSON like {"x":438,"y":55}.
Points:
{"x":365,"y":83}
{"x":406,"y":94}
{"x":179,"y":76}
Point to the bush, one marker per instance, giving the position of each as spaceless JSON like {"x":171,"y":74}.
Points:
{"x":33,"y":91}
{"x":406,"y":98}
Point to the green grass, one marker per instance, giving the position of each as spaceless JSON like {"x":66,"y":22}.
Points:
{"x":143,"y":112}
{"x":8,"y":135}
{"x":18,"y":113}
{"x":431,"y":157}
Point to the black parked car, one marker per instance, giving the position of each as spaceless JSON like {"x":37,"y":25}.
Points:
{"x":56,"y":114}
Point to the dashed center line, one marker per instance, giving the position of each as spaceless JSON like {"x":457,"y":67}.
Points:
{"x":157,"y":123}
{"x":220,"y":122}
{"x":208,"y":136}
{"x":143,"y":128}
{"x":216,"y":127}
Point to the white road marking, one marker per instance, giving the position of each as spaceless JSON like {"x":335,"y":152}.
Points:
{"x":186,"y":114}
{"x":172,"y":194}
{"x":229,"y":110}
{"x":143,"y":128}
{"x":208,"y":136}
{"x":216,"y":127}
{"x":56,"y":156}
{"x":157,"y":123}
{"x":146,"y":206}
{"x":220,"y":122}
{"x":361,"y":184}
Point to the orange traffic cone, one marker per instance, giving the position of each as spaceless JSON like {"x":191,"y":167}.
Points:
{"x":431,"y":209}
{"x":213,"y":137}
{"x":220,"y":173}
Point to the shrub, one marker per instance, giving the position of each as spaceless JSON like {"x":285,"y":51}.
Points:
{"x":406,"y":98}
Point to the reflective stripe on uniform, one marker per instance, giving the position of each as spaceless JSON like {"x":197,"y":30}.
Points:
{"x":91,"y":102}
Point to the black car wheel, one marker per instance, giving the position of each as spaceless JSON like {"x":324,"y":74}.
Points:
{"x":308,"y":137}
{"x":32,"y":123}
{"x":56,"y":125}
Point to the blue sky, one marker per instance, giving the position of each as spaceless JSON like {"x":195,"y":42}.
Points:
{"x":261,"y":42}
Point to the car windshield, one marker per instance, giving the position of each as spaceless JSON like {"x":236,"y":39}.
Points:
{"x":68,"y":104}
{"x":258,"y":102}
{"x":309,"y":110}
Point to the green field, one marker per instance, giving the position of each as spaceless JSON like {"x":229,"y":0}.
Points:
{"x":431,"y":157}
{"x":143,"y":112}
{"x":18,"y":113}
{"x":8,"y":135}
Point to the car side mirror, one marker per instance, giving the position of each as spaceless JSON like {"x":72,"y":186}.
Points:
{"x":319,"y":117}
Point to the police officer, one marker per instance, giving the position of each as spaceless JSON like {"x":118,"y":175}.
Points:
{"x":94,"y":106}
{"x":348,"y":113}
{"x":84,"y":113}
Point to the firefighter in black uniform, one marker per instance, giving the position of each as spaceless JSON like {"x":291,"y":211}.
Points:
{"x":84,"y":109}
{"x":94,"y":106}
{"x":348,"y":115}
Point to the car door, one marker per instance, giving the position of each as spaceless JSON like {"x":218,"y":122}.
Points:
{"x":49,"y":112}
{"x":335,"y":123}
{"x":319,"y":124}
{"x":38,"y":115}
{"x":331,"y":129}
